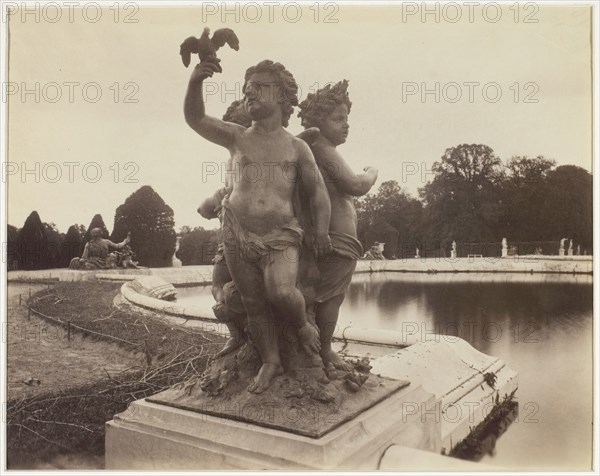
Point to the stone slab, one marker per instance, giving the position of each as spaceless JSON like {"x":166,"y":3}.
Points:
{"x":150,"y":436}
{"x":274,"y":409}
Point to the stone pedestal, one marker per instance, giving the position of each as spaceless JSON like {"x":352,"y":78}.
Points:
{"x":151,"y":436}
{"x":453,"y":389}
{"x":453,"y":254}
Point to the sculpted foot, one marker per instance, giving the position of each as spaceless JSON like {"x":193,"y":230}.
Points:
{"x":265,"y":375}
{"x":231,"y":345}
{"x":331,"y":357}
{"x":309,"y":339}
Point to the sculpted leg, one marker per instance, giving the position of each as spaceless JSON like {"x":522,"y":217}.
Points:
{"x":235,"y":341}
{"x":220,"y":277}
{"x":263,"y":334}
{"x":326,"y":316}
{"x":249,"y":282}
{"x":280,"y":284}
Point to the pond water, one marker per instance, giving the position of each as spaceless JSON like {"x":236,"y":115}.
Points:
{"x":540,"y":325}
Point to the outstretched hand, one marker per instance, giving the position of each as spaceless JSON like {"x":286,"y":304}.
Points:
{"x":205,"y":69}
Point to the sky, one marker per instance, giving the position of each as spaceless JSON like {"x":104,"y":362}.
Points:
{"x":95,"y":98}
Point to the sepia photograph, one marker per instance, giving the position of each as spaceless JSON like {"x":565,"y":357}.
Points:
{"x":299,"y":236}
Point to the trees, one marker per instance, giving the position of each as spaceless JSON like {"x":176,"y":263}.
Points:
{"x":12,"y":234}
{"x":97,"y":222}
{"x":463,"y":201}
{"x":524,"y":192}
{"x":197,"y":246}
{"x":151,"y":223}
{"x":567,"y":205}
{"x":71,"y":246}
{"x":32,"y":244}
{"x":391,"y":208}
{"x":55,"y":238}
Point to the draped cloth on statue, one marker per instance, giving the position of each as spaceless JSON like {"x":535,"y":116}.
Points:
{"x":337,"y":268}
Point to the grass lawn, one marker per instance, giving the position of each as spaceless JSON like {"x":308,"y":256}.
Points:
{"x":65,"y":420}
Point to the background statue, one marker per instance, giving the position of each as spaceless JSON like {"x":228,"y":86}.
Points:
{"x":504,"y":248}
{"x":375,"y":252}
{"x":453,"y":253}
{"x":97,"y":252}
{"x":125,"y":258}
{"x":561,"y":249}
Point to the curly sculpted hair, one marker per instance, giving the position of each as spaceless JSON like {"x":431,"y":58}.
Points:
{"x":287,"y":83}
{"x":319,"y":105}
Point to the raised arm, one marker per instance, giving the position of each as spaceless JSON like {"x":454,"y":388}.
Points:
{"x":320,"y":205}
{"x":338,"y":172}
{"x":121,"y":245}
{"x":212,"y":129}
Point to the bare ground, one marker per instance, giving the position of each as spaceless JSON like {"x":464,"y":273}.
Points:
{"x":59,"y":423}
{"x":40,"y":350}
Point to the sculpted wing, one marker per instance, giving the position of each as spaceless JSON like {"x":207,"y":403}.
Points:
{"x":225,"y":35}
{"x":189,"y":46}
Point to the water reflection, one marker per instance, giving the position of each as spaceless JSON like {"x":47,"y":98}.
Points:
{"x":540,"y":325}
{"x":483,"y":313}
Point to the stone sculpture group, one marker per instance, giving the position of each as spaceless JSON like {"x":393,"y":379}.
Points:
{"x":289,"y":245}
{"x":101,"y":253}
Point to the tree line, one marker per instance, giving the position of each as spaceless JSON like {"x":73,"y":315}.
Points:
{"x":476,"y":199}
{"x":144,"y":214}
{"x":473,"y":199}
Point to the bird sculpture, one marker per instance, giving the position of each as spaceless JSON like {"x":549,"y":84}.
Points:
{"x":206,"y":47}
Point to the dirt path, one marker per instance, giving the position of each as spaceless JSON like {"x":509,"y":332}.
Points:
{"x":40,"y":350}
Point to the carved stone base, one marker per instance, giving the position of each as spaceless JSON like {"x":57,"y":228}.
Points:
{"x":159,"y":437}
{"x":298,"y":404}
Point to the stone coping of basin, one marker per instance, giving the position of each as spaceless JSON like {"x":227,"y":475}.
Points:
{"x":464,"y":398}
{"x":408,"y":336}
{"x":202,"y":274}
{"x":166,"y":307}
{"x":511,"y":264}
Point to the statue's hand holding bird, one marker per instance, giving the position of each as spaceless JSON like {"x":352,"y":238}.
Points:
{"x":206,"y":47}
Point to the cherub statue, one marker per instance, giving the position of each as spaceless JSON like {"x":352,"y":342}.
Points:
{"x":261,"y":232}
